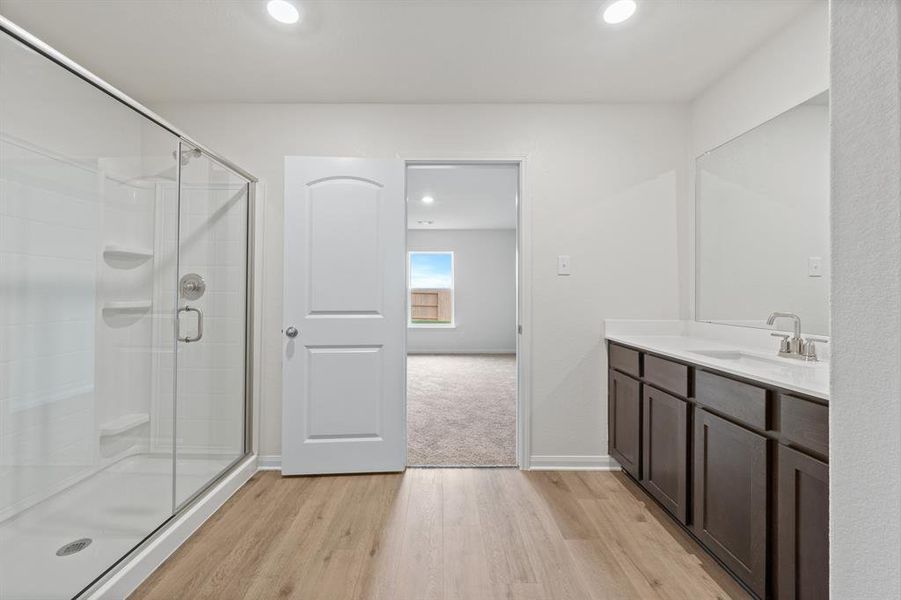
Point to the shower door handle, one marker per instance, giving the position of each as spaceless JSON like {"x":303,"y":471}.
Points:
{"x":199,"y":335}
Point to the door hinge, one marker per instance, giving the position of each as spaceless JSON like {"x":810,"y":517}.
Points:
{"x":519,"y":329}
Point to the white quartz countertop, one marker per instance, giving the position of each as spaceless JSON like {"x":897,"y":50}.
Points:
{"x":747,"y":361}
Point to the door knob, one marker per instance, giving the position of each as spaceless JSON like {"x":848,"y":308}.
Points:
{"x":291,"y":332}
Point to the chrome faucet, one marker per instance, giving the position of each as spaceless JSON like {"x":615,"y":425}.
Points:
{"x":795,"y":346}
{"x":788,"y":347}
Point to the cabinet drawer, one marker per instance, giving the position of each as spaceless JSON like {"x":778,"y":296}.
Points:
{"x":666,"y":375}
{"x":741,"y":401}
{"x":625,"y":360}
{"x":804,"y":423}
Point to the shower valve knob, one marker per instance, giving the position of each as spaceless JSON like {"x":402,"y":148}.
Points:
{"x":291,"y":332}
{"x":191,"y":286}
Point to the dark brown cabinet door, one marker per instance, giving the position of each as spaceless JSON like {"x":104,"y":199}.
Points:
{"x":624,"y":422}
{"x":665,"y":456}
{"x":802,"y":527}
{"x":730,"y":496}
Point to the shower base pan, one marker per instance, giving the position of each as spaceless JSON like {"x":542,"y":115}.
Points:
{"x":56,"y":548}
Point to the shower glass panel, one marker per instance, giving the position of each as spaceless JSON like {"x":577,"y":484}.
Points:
{"x":212,"y":236}
{"x":84,"y":472}
{"x":108,"y":424}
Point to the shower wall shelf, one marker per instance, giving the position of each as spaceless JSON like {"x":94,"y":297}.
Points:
{"x":128,"y":306}
{"x":123,"y":424}
{"x":127,"y":253}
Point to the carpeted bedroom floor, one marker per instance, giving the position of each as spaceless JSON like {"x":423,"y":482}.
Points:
{"x":461,"y":410}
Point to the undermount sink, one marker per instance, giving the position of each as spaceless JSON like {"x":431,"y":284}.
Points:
{"x":743,"y":358}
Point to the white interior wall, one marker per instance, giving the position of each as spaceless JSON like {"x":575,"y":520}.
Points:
{"x":790,"y":68}
{"x":484,"y":291}
{"x":864,"y":411}
{"x":617,"y":216}
{"x":571,"y":173}
{"x":602,"y":183}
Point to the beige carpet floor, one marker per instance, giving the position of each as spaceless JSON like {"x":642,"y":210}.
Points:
{"x":461,"y":410}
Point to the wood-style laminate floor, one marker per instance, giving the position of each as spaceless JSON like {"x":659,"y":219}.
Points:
{"x":436,"y":534}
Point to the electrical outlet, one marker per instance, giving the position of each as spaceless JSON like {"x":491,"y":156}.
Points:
{"x":814,"y":266}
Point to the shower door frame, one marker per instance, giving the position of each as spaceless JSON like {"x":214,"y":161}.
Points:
{"x":35,"y":44}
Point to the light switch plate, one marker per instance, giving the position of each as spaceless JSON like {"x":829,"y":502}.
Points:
{"x":563,"y":265}
{"x":815,"y":266}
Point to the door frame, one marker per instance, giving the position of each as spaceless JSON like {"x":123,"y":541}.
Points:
{"x":523,"y":293}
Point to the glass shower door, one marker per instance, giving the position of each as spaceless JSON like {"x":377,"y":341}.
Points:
{"x":212,"y":276}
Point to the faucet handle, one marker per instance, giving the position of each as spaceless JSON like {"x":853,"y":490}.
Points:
{"x":784,"y":344}
{"x":810,"y":350}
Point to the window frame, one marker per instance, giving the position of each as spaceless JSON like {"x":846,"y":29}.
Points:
{"x":453,"y":290}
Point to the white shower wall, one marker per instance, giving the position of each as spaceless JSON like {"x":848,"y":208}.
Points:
{"x":125,"y":345}
{"x":70,"y":367}
{"x":80,"y":452}
{"x":71,"y":159}
{"x":80,"y":377}
{"x":47,"y":300}
{"x":211,"y":375}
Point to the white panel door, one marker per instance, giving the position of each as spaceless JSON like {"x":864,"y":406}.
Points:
{"x":344,"y":369}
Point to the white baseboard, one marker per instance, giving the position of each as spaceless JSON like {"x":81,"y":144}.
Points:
{"x":440,"y":352}
{"x":600,"y":462}
{"x":270,"y":462}
{"x":273,"y":462}
{"x":139,"y":567}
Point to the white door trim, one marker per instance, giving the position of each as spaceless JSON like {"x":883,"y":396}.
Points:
{"x":523,"y":293}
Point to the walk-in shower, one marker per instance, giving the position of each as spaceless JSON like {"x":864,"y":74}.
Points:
{"x":124,"y":278}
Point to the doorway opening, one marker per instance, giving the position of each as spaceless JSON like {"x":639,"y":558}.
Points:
{"x":462,"y":313}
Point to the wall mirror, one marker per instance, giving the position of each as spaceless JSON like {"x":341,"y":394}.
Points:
{"x":762,"y":223}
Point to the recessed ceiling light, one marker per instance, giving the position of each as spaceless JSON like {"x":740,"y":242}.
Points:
{"x":619,"y":11}
{"x":283,"y":11}
{"x":428,"y":200}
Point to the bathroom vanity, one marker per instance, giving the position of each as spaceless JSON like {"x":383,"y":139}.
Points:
{"x":726,"y":427}
{"x":733,"y":444}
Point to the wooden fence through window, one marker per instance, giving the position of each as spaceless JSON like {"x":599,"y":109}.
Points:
{"x":430,"y":305}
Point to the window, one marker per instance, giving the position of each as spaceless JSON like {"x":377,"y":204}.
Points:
{"x":431,"y":289}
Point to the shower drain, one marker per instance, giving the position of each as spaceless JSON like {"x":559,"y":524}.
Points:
{"x":73,"y":547}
